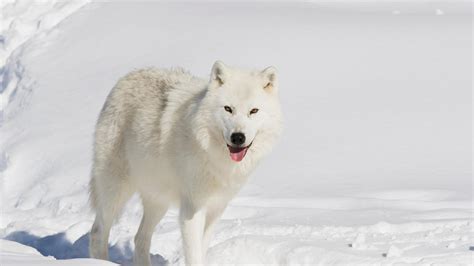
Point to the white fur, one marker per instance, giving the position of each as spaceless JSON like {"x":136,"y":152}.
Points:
{"x":164,"y":134}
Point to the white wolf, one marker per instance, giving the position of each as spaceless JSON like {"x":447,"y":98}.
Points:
{"x":179,"y":140}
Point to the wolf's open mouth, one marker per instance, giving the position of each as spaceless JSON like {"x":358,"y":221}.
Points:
{"x":238,"y":153}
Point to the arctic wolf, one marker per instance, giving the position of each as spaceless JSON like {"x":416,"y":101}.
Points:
{"x":180,"y":141}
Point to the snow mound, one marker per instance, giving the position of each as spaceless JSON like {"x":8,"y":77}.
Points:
{"x":13,"y":253}
{"x":307,"y":245}
{"x":22,"y":21}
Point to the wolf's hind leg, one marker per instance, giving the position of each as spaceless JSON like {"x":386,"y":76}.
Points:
{"x":108,"y":200}
{"x":152,"y":214}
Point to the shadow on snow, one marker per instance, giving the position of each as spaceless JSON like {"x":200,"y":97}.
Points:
{"x":61,"y":248}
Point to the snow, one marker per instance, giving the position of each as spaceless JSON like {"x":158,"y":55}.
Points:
{"x":13,"y":253}
{"x":374,"y":166}
{"x":20,"y":22}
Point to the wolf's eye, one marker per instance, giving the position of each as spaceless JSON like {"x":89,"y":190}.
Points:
{"x":228,"y":109}
{"x":254,"y":111}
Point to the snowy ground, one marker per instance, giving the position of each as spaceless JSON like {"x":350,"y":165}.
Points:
{"x":374,"y":166}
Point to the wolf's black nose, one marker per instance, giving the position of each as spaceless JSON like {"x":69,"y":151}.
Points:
{"x":237,"y":138}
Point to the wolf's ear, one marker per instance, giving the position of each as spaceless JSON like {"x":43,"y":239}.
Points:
{"x":218,"y":73}
{"x":270,"y":81}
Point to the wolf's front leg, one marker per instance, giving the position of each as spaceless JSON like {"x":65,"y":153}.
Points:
{"x":213,"y":214}
{"x":192,"y":229}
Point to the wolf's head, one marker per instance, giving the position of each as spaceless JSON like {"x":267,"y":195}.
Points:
{"x":244,"y":110}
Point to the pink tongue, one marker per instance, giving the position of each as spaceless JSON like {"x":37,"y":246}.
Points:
{"x":238,"y":156}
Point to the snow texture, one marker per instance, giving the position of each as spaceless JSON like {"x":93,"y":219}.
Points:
{"x":13,"y":253}
{"x":374,"y":166}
